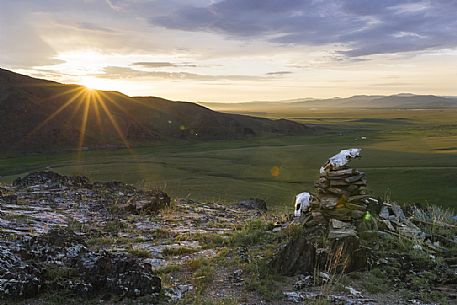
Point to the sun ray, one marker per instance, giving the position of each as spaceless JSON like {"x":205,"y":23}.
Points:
{"x":87,"y":100}
{"x":106,"y":96}
{"x":77,"y":109}
{"x":77,"y":88}
{"x":112,"y":120}
{"x":112,"y":101}
{"x":55,"y":113}
{"x":97,"y":116}
{"x":116,"y":104}
{"x":140,"y":169}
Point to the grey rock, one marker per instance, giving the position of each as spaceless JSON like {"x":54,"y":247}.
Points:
{"x":236,"y":276}
{"x":178,"y":292}
{"x":304,"y":281}
{"x":293,"y":296}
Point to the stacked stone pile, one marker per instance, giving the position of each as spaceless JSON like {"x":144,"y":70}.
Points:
{"x":343,"y":226}
{"x":342,"y":191}
{"x":342,"y":200}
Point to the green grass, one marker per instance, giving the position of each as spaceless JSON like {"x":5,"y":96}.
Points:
{"x":178,"y":251}
{"x":409,"y":162}
{"x":375,"y":281}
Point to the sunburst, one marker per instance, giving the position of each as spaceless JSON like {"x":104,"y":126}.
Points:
{"x":86,"y":101}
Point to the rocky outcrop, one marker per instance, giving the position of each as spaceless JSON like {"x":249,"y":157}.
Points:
{"x":102,"y":239}
{"x":60,"y":260}
{"x":17,"y":278}
{"x":39,"y":252}
{"x":50,"y":179}
{"x":77,"y":190}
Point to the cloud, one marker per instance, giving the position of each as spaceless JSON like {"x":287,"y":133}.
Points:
{"x":115,"y":4}
{"x":115,"y":72}
{"x":391,"y":84}
{"x":161,"y":64}
{"x":94,"y":27}
{"x":279,"y":73}
{"x":21,"y":45}
{"x":357,"y":27}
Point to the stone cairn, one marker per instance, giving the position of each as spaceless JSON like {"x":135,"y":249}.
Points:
{"x":342,"y":195}
{"x":340,"y":209}
{"x":343,"y":211}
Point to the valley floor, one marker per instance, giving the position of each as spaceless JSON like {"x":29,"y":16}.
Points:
{"x":409,"y":156}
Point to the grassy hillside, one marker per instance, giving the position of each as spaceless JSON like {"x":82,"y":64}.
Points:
{"x":42,"y":115}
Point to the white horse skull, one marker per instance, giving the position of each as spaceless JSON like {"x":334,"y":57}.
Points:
{"x":302,"y":203}
{"x":341,"y":159}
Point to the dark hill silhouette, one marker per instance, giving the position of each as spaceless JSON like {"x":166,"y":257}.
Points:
{"x":37,"y":113}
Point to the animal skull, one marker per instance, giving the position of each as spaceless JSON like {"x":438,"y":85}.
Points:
{"x":341,"y":159}
{"x":302,"y":203}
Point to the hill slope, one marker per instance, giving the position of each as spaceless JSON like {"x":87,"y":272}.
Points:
{"x":398,"y":101}
{"x":37,"y":113}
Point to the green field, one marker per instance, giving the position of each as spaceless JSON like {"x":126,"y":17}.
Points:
{"x":408,"y":156}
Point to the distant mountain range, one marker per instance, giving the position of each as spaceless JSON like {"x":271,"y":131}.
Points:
{"x":398,"y":101}
{"x":36,"y":113}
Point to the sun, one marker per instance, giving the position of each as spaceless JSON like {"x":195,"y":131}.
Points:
{"x":92,"y":83}
{"x":95,"y":83}
{"x":88,"y":85}
{"x":88,"y":88}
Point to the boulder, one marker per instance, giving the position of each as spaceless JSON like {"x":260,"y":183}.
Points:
{"x":118,"y":274}
{"x":297,"y":257}
{"x":307,"y":253}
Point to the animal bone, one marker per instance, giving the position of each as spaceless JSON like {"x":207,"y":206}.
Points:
{"x":341,"y":159}
{"x":302,"y":203}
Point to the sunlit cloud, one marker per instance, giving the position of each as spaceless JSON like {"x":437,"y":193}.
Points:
{"x":162,"y":64}
{"x":202,"y":50}
{"x":129,"y":73}
{"x":279,"y":73}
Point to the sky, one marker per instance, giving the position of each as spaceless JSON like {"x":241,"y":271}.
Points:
{"x":235,"y":50}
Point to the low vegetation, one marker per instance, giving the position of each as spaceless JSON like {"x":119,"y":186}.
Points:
{"x":400,"y":160}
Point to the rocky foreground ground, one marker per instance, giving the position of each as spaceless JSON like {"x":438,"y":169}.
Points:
{"x":66,"y":240}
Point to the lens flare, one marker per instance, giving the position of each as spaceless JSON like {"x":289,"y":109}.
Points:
{"x":275,"y":171}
